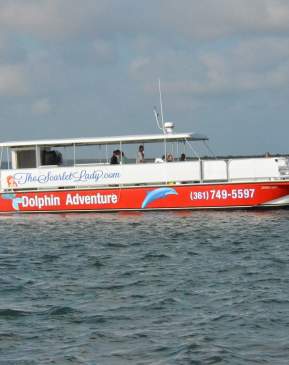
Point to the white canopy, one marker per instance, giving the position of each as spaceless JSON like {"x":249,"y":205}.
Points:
{"x":174,"y":137}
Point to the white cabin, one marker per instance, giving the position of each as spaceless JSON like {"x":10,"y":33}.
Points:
{"x":40,"y":164}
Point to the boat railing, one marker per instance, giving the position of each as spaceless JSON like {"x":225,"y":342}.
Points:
{"x":47,"y":166}
{"x":92,"y":164}
{"x":177,"y":172}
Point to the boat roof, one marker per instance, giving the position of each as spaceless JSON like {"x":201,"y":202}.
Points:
{"x":174,"y":137}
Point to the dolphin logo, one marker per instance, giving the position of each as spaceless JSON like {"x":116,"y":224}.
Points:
{"x":157,"y":194}
{"x":8,"y":196}
{"x":15,"y":201}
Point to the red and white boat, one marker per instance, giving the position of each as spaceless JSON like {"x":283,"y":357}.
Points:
{"x":36,"y":176}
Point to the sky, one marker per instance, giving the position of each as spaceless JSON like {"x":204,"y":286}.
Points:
{"x":71,"y":68}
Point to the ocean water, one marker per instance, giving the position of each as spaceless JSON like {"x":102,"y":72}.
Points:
{"x":201,"y":287}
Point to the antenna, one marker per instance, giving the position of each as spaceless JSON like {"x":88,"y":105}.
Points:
{"x":161,"y":105}
{"x":166,"y":128}
{"x":157,"y":118}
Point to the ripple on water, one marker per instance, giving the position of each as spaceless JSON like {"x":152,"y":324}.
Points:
{"x":156,"y":288}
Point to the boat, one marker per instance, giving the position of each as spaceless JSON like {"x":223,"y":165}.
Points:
{"x":37,"y":176}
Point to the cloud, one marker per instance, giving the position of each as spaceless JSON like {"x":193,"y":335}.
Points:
{"x":158,"y":39}
{"x":194,"y":19}
{"x":103,"y":51}
{"x":249,"y":65}
{"x":139,"y":65}
{"x":260,"y":53}
{"x":13,"y":80}
{"x":44,"y":19}
{"x":41,"y":106}
{"x":212,"y":19}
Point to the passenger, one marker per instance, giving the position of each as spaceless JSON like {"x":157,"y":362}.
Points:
{"x":51,"y":158}
{"x":118,"y":155}
{"x":140,"y":154}
{"x":183,"y":157}
{"x":170,"y":158}
{"x":59,"y":158}
{"x":114,"y":159}
{"x":124,"y":159}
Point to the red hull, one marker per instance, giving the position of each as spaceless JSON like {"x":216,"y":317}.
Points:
{"x":149,"y":198}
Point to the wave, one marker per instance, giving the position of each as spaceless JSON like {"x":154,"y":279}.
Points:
{"x":60,"y":311}
{"x":10,"y":313}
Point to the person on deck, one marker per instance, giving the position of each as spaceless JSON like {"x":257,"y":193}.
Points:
{"x":124,"y":159}
{"x":170,"y":158}
{"x":118,"y":156}
{"x":183,"y":157}
{"x":114,"y":158}
{"x":140,"y":154}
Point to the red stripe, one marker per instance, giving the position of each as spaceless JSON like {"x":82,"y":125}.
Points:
{"x":187,"y":197}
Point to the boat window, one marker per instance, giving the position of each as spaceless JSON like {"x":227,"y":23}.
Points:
{"x":25,"y":159}
{"x":92,"y":154}
{"x":56,"y":156}
{"x":51,"y":157}
{"x":3,"y":162}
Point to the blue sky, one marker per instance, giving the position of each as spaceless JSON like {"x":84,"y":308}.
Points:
{"x":71,"y":68}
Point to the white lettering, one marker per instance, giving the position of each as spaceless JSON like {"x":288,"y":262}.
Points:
{"x":39,"y":202}
{"x":96,"y":199}
{"x":223,"y":194}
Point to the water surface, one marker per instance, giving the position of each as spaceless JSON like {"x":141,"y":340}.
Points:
{"x":207,"y":287}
